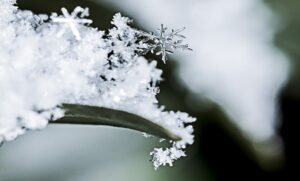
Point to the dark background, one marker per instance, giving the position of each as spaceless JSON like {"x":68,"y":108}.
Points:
{"x":218,"y":153}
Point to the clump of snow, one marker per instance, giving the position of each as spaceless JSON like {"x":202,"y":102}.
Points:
{"x":47,"y":61}
{"x":166,"y":157}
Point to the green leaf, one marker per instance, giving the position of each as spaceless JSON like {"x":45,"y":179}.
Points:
{"x":91,"y":115}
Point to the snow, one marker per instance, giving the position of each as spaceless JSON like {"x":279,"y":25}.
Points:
{"x":47,"y":61}
{"x":166,"y":157}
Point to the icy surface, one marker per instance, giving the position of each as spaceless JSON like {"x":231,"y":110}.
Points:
{"x":49,"y":60}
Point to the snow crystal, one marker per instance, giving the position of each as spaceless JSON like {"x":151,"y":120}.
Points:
{"x":45,"y":62}
{"x":72,"y":20}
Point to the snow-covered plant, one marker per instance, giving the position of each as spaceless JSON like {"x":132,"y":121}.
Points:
{"x":57,"y":68}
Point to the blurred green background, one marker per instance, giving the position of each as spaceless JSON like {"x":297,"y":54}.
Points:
{"x":86,"y":153}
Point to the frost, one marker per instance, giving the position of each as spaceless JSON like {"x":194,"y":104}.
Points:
{"x":47,"y":61}
{"x":165,"y":157}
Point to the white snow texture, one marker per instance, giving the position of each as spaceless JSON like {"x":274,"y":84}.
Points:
{"x":49,"y":60}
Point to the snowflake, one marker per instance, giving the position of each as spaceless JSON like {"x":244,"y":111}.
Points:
{"x":165,"y":42}
{"x":72,"y":20}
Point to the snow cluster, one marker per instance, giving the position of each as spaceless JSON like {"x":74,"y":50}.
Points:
{"x":49,"y":60}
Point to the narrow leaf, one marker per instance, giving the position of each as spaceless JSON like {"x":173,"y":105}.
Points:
{"x":91,"y":115}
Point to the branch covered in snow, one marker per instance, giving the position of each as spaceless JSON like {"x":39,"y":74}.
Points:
{"x":48,"y":61}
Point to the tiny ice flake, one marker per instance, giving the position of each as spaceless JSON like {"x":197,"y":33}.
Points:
{"x":72,"y":20}
{"x":154,"y":90}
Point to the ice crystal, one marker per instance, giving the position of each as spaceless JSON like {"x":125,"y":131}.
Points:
{"x":165,"y":42}
{"x":72,"y":20}
{"x":42,"y":66}
{"x":172,"y":40}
